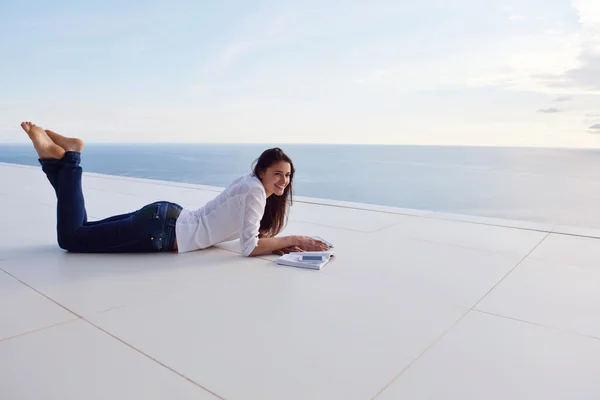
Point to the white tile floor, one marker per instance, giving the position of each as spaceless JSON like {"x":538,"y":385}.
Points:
{"x":272,"y":333}
{"x":76,"y":360}
{"x":34,"y":311}
{"x":493,"y":358}
{"x":567,"y":249}
{"x":549,"y":293}
{"x":467,"y":235}
{"x":345,"y":218}
{"x":415,"y":305}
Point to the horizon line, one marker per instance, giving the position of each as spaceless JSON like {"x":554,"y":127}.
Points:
{"x":273,"y":144}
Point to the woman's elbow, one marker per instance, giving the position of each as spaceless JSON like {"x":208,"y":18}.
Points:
{"x":250,"y":251}
{"x":250,"y":248}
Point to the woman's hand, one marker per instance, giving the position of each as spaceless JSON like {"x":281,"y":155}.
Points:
{"x":307,"y":243}
{"x":291,"y":249}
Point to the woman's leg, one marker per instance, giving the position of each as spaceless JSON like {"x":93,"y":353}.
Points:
{"x":52,"y":168}
{"x":51,"y":171}
{"x":70,"y":213}
{"x":122,"y":233}
{"x":149,"y":229}
{"x":140,"y":231}
{"x":109,"y":219}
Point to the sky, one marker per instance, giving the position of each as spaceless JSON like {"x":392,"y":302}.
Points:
{"x":509,"y":73}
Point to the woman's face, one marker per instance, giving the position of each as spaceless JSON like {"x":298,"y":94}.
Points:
{"x":276,"y":178}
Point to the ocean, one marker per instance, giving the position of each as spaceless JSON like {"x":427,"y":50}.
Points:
{"x":530,"y":184}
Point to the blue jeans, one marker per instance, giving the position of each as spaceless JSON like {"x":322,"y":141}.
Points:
{"x":149,"y":229}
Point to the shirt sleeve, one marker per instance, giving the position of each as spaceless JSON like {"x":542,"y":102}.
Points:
{"x":253,"y":208}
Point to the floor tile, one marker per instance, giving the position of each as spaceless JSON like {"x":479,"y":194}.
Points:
{"x":412,"y":268}
{"x":361,"y":206}
{"x":13,"y":178}
{"x":567,"y":249}
{"x":30,"y":229}
{"x":547,"y":293}
{"x":88,"y":283}
{"x":23,"y":310}
{"x":76,"y":361}
{"x":547,"y":227}
{"x":408,"y":268}
{"x":282,"y":333}
{"x":347,"y":218}
{"x":578,"y":231}
{"x":494,"y":358}
{"x":470,"y":235}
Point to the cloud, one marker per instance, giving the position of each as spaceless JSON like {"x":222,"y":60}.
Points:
{"x":516,"y":17}
{"x":585,"y":75}
{"x":595,"y":128}
{"x":569,"y":61}
{"x":549,"y":110}
{"x":588,"y":75}
{"x":585,"y":78}
{"x":562,"y":98}
{"x":592,"y":115}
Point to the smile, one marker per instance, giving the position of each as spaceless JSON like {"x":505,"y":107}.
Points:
{"x":280,"y":187}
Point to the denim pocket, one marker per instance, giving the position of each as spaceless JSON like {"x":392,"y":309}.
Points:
{"x":151,"y":211}
{"x":158,"y":241}
{"x":150,"y":222}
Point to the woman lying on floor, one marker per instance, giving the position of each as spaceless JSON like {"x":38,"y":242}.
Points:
{"x":252,"y":208}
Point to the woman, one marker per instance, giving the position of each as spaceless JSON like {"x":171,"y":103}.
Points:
{"x":252,"y":208}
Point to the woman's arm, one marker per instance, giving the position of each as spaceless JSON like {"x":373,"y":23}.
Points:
{"x":254,"y":242}
{"x":269,"y":245}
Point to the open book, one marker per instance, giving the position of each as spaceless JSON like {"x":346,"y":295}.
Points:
{"x":293,"y":259}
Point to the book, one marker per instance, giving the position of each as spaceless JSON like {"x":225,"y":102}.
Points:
{"x":293,"y":259}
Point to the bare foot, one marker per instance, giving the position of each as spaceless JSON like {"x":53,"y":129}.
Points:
{"x":44,"y":146}
{"x":68,"y":144}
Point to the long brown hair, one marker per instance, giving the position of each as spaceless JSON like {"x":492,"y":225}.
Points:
{"x":276,"y":210}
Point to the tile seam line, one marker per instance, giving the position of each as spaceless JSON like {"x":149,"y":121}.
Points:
{"x":479,"y":249}
{"x":153,"y":359}
{"x":81,"y":318}
{"x":537,"y":324}
{"x":472,"y":309}
{"x":40,"y":293}
{"x":565,"y":264}
{"x":510,"y":271}
{"x":418,"y":357}
{"x":3,"y":339}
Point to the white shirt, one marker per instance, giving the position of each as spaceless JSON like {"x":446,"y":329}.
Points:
{"x":234,"y":213}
